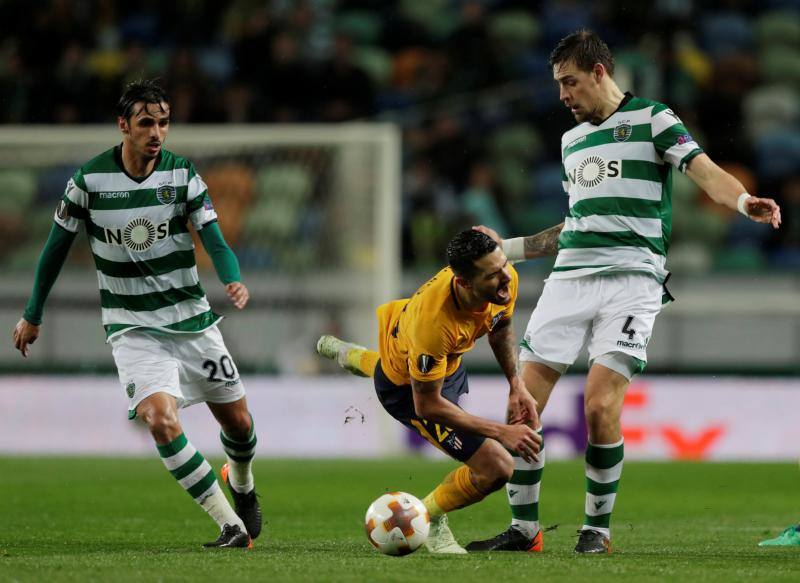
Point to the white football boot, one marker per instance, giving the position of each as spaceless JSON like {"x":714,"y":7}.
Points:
{"x":440,"y":539}
{"x":338,"y":350}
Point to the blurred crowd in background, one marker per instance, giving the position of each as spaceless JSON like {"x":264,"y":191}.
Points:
{"x":467,"y":81}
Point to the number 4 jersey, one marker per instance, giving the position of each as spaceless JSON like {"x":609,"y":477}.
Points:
{"x":618,"y":175}
{"x":139,"y":236}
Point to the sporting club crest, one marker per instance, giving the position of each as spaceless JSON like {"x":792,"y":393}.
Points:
{"x":166,"y":194}
{"x":622,"y":132}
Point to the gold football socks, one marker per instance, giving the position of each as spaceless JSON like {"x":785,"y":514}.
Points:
{"x":455,"y":491}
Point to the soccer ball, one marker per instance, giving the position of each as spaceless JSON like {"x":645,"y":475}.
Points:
{"x":397,"y":523}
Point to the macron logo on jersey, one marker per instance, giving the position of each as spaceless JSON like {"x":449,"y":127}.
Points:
{"x":576,"y":141}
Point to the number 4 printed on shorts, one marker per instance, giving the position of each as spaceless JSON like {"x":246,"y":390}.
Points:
{"x":626,"y":329}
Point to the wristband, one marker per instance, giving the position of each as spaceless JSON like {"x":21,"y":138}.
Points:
{"x":740,"y":203}
{"x":514,"y":249}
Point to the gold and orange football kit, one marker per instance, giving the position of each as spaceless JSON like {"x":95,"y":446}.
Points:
{"x":424,"y":337}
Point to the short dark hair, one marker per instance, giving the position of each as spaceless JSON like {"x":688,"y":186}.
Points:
{"x":147,"y":90}
{"x":584,"y":48}
{"x":466,"y":248}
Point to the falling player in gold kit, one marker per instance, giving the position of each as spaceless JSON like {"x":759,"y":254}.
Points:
{"x":419,"y":376}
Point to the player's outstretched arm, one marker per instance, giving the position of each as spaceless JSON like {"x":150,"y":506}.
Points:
{"x":429,"y":404}
{"x":521,"y":405}
{"x":225,"y":263}
{"x":49,"y":266}
{"x":543,"y":244}
{"x":725,"y":189}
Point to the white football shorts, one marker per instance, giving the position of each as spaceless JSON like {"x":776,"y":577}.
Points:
{"x":193,"y":368}
{"x":612,"y":313}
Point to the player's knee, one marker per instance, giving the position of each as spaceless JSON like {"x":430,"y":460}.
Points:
{"x":505,"y":468}
{"x":600,"y":408}
{"x":163,"y":424}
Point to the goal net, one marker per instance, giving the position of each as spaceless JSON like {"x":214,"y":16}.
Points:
{"x":311,"y":211}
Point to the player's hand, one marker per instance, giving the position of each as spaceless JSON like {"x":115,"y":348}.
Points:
{"x":523,"y":440}
{"x":25,"y":333}
{"x":521,"y":405}
{"x":491,"y":232}
{"x":763,"y":210}
{"x":238,"y":294}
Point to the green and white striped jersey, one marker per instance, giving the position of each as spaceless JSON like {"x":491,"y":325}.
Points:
{"x":618,"y":175}
{"x":139,"y":236}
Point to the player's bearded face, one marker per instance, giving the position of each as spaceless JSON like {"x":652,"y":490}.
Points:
{"x":147,"y":128}
{"x":578,"y":90}
{"x":492,"y":281}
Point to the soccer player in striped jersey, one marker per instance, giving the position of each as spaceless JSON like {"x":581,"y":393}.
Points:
{"x":135,"y":201}
{"x":607,"y":285}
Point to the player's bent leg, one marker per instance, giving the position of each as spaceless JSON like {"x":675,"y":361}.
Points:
{"x":522,"y":490}
{"x":455,"y":491}
{"x":353,"y":358}
{"x":487,"y":470}
{"x":188,"y":466}
{"x":540,"y":377}
{"x":159,"y":412}
{"x":239,"y":442}
{"x":490,"y":468}
{"x":465,"y":485}
{"x":603,"y":399}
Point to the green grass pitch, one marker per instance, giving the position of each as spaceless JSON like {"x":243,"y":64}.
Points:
{"x":65,"y":519}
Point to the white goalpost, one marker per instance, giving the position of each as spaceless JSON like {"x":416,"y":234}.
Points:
{"x":312,"y":211}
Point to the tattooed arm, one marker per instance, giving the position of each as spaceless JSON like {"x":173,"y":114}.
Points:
{"x":541,"y":244}
{"x":521,"y":404}
{"x":504,"y":347}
